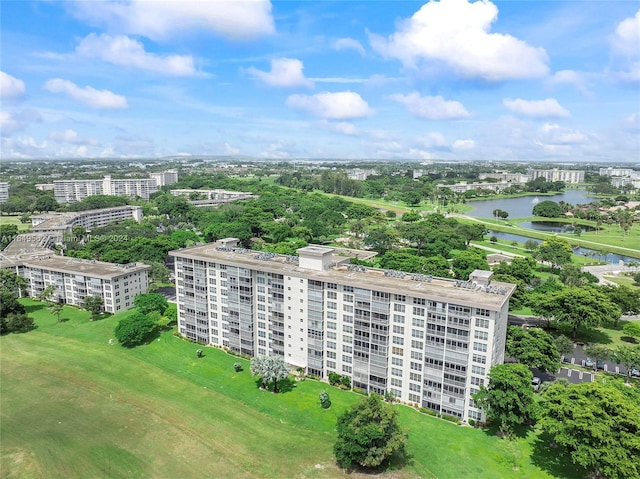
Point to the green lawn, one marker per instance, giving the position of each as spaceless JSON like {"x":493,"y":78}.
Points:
{"x":14,"y":220}
{"x":74,"y":406}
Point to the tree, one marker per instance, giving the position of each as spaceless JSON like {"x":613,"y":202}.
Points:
{"x":629,"y":357}
{"x":555,"y":251}
{"x":56,"y":308}
{"x":271,"y":369}
{"x":325,"y":400}
{"x":632,"y":330}
{"x":368,"y":434}
{"x":134,"y":330}
{"x":508,"y":398}
{"x":626,"y":298}
{"x":12,"y":283}
{"x":381,"y":238}
{"x":159,"y":273}
{"x":18,"y":323}
{"x":563,"y":344}
{"x":465,"y":262}
{"x":548,"y":209}
{"x":533,"y":347}
{"x":597,"y":424}
{"x":577,"y":307}
{"x":46,"y":203}
{"x":146,"y":303}
{"x":47,"y":293}
{"x":93,"y":304}
{"x":9,"y":305}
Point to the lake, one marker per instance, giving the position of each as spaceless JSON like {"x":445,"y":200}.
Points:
{"x":522,"y":207}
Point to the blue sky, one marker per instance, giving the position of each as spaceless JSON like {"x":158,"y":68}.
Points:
{"x":448,"y":79}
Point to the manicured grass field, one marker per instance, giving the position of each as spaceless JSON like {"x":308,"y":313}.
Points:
{"x":74,"y":406}
{"x":14,"y":220}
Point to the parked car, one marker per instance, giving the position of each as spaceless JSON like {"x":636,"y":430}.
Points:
{"x":600,"y":364}
{"x":635,"y":372}
{"x":535,"y":383}
{"x":588,"y":363}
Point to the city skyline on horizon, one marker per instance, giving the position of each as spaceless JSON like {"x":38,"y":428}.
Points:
{"x":448,"y":80}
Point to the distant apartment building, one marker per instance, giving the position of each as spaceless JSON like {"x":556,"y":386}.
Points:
{"x":60,"y":224}
{"x":212,"y":197}
{"x":360,"y":174}
{"x":555,"y":174}
{"x":164,"y":178}
{"x":45,"y":186}
{"x":610,"y":171}
{"x":75,"y":279}
{"x":70,"y":191}
{"x":466,"y":186}
{"x":517,"y":178}
{"x":426,"y":340}
{"x":4,"y":192}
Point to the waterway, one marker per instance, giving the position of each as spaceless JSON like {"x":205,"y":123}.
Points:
{"x":522,"y":206}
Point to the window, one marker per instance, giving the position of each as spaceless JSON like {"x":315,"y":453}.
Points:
{"x":332,"y":295}
{"x":396,"y":361}
{"x":347,"y":329}
{"x":418,"y":323}
{"x":347,"y":349}
{"x":400,"y":297}
{"x":398,"y":340}
{"x":477,"y":381}
{"x":347,"y":298}
{"x":331,"y":335}
{"x":396,"y":372}
{"x":347,"y":359}
{"x":396,"y":382}
{"x":421,"y":301}
{"x":418,"y":311}
{"x":477,"y":370}
{"x":331,"y":354}
{"x":479,"y":358}
{"x":482,"y":323}
{"x":416,"y":355}
{"x":398,"y":351}
{"x":398,"y":318}
{"x":416,"y":333}
{"x":331,"y":345}
{"x":417,"y":344}
{"x":399,"y":308}
{"x":480,"y":347}
{"x":481,"y":335}
{"x":331,"y":305}
{"x":398,"y":329}
{"x":347,"y":289}
{"x":331,"y":325}
{"x":416,"y":366}
{"x":415,"y":377}
{"x":346,"y":369}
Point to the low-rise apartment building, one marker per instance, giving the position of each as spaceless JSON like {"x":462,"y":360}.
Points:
{"x":427,"y":340}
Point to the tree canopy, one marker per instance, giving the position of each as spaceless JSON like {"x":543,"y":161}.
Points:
{"x":271,"y":370}
{"x":134,"y":330}
{"x":368,"y":434}
{"x":508,"y":398}
{"x":146,"y":303}
{"x":533,"y":347}
{"x":597,"y":424}
{"x":548,"y":209}
{"x":555,"y":251}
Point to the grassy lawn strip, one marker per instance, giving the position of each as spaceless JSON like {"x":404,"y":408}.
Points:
{"x":14,"y":220}
{"x":74,"y":406}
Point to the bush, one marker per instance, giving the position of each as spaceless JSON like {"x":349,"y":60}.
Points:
{"x":471,"y":422}
{"x":360,"y":391}
{"x":345,"y":381}
{"x":325,"y":401}
{"x":334,"y":378}
{"x":313,"y":376}
{"x":453,"y":419}
{"x":237,"y":367}
{"x":430,"y":412}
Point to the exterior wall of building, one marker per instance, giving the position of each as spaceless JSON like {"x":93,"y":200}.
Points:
{"x":568,"y":176}
{"x":615,"y":171}
{"x":4,"y":191}
{"x":420,"y":345}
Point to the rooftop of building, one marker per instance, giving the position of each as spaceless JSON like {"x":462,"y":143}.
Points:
{"x":62,"y":220}
{"x":493,"y":296}
{"x":62,"y":264}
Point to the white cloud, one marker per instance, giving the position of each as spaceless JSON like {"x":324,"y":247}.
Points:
{"x":456,"y":33}
{"x":463,"y":145}
{"x":285,"y":72}
{"x":342,"y":105}
{"x":572,"y":77}
{"x":11,"y":123}
{"x":548,"y":108}
{"x":343,"y":127}
{"x":22,"y":147}
{"x":632,"y":122}
{"x":70,"y":136}
{"x":626,"y":39}
{"x":625,"y":44}
{"x":349,"y":44}
{"x":431,"y":107}
{"x":553,"y":134}
{"x":433,"y":139}
{"x":87,"y":95}
{"x":236,"y":20}
{"x":10,"y":87}
{"x":124,"y":51}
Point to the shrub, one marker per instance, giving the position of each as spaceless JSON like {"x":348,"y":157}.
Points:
{"x":334,"y":378}
{"x":453,"y":419}
{"x":313,"y":376}
{"x":345,"y":381}
{"x":429,"y":412}
{"x":237,"y":367}
{"x":471,"y":422}
{"x":360,"y":391}
{"x":343,"y":387}
{"x":325,"y":401}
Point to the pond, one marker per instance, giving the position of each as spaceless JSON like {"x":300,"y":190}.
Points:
{"x":551,"y":227}
{"x":598,"y":255}
{"x":522,"y":207}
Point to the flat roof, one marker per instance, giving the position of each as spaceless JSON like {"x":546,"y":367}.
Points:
{"x":59,"y":220}
{"x":445,"y":289}
{"x":82,"y":267}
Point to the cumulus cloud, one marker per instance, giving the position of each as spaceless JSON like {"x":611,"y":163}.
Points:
{"x":22,"y":147}
{"x":625,"y":45}
{"x":456,"y":34}
{"x":10,"y":87}
{"x":342,"y":127}
{"x":463,"y":145}
{"x":342,"y":105}
{"x":578,"y":79}
{"x":349,"y":44}
{"x":285,"y":72}
{"x":87,"y":95}
{"x":13,"y":122}
{"x":124,"y":51}
{"x":162,"y":20}
{"x":433,"y":139}
{"x":70,"y":136}
{"x":549,"y":108}
{"x":553,"y":134}
{"x":431,"y":107}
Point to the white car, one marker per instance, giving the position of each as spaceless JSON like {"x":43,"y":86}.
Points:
{"x":535,"y":383}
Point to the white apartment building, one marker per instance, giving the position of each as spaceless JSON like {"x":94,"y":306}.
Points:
{"x":75,"y":279}
{"x":466,"y":186}
{"x":70,"y":191}
{"x":163,"y":178}
{"x":426,"y":340}
{"x":555,"y":174}
{"x":610,"y":171}
{"x":4,"y":191}
{"x":60,"y":224}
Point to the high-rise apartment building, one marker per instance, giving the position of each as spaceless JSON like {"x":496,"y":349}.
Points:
{"x":427,"y":340}
{"x":555,"y":174}
{"x":4,"y":191}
